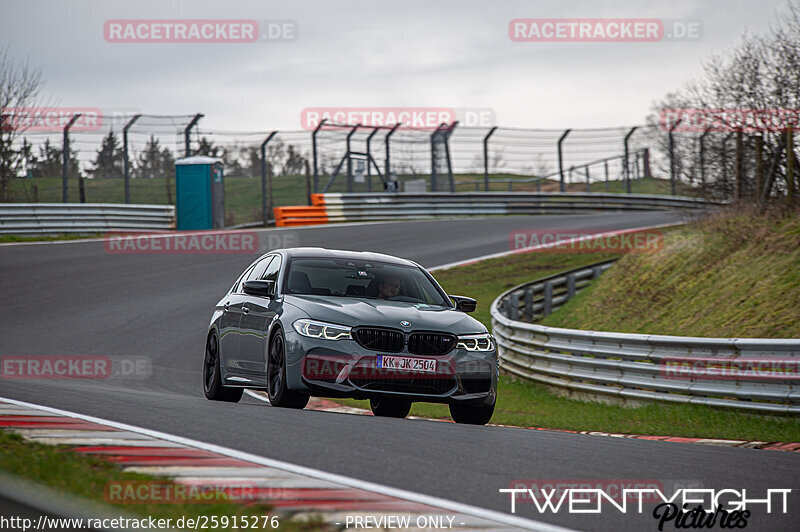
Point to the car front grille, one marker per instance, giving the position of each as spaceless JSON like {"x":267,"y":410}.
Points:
{"x":430,"y":343}
{"x":426,"y":385}
{"x":388,"y":340}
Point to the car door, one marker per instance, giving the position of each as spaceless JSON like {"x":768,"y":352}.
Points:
{"x":236,"y":370}
{"x":229,"y":324}
{"x":257,"y":314}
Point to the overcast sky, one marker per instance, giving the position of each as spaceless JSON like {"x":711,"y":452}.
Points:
{"x":409,"y":53}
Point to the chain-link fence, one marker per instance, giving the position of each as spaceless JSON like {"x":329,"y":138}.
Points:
{"x":130,"y":158}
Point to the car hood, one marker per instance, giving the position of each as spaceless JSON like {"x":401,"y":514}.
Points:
{"x":354,"y":311}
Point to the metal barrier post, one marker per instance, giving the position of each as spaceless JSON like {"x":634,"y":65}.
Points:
{"x":513,"y":303}
{"x":187,"y":132}
{"x":562,"y":187}
{"x":65,"y":159}
{"x":126,"y":170}
{"x":486,"y":159}
{"x":529,"y":303}
{"x":548,"y":299}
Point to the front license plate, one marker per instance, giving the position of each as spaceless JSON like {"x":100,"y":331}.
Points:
{"x":424,"y":365}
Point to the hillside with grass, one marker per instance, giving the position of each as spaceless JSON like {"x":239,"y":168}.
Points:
{"x":735,"y":274}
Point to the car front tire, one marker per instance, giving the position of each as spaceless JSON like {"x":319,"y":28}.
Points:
{"x":471,"y":415}
{"x":390,"y":407}
{"x":212,"y":377}
{"x":277,"y":389}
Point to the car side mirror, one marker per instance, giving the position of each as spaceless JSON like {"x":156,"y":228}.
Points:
{"x":464,"y":304}
{"x":259,"y":288}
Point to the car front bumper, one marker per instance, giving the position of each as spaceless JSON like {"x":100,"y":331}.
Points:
{"x":343,"y":368}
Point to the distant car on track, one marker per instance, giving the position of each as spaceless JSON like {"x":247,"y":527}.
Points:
{"x":311,"y":321}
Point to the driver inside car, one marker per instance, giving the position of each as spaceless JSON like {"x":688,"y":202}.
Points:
{"x":389,"y":287}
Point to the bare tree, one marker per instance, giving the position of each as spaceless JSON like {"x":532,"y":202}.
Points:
{"x":19,"y":92}
{"x":762,"y":72}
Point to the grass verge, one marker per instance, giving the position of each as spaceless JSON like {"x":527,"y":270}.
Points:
{"x":733,"y":275}
{"x":90,"y":478}
{"x":6,"y":239}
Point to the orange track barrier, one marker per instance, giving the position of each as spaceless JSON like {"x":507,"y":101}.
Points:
{"x":300,"y":215}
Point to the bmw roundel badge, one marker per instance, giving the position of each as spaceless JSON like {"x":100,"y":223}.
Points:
{"x":405,"y":323}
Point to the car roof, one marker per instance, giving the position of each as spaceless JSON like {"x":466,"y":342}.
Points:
{"x":316,"y":252}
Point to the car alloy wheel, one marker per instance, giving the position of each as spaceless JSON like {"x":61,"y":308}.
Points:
{"x":279,"y":394}
{"x":212,"y":377}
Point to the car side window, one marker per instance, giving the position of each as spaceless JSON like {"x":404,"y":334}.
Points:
{"x":271,"y":273}
{"x":258,"y":271}
{"x":237,"y":284}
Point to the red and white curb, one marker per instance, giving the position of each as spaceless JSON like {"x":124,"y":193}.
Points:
{"x":331,"y":406}
{"x":291,"y":489}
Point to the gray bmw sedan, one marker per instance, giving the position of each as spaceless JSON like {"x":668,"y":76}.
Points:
{"x":311,"y":321}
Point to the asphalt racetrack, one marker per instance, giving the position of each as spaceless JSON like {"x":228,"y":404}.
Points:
{"x":78,"y":299}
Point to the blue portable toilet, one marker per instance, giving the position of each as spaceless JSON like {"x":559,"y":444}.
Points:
{"x":199,"y":193}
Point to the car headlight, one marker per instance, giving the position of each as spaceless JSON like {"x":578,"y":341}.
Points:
{"x":321,"y":329}
{"x":476,"y":342}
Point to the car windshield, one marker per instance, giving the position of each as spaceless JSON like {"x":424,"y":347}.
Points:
{"x":353,"y":278}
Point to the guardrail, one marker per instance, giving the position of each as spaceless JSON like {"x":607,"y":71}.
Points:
{"x":637,"y":367}
{"x":60,"y":218}
{"x":332,"y":207}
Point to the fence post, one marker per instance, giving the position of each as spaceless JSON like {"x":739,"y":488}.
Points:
{"x":126,"y":170}
{"x":739,"y":185}
{"x":389,"y":134}
{"x":725,"y":175}
{"x":65,"y":159}
{"x":308,"y":181}
{"x":369,"y":160}
{"x":434,"y":173}
{"x":759,"y":155}
{"x":703,"y":157}
{"x":314,"y":152}
{"x":187,"y":132}
{"x":446,"y":135}
{"x":790,"y":164}
{"x":562,"y":187}
{"x":627,"y":165}
{"x":548,"y":299}
{"x":350,"y":160}
{"x":588,"y":186}
{"x":265,"y":206}
{"x":570,"y":286}
{"x":605,"y":164}
{"x":486,"y":159}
